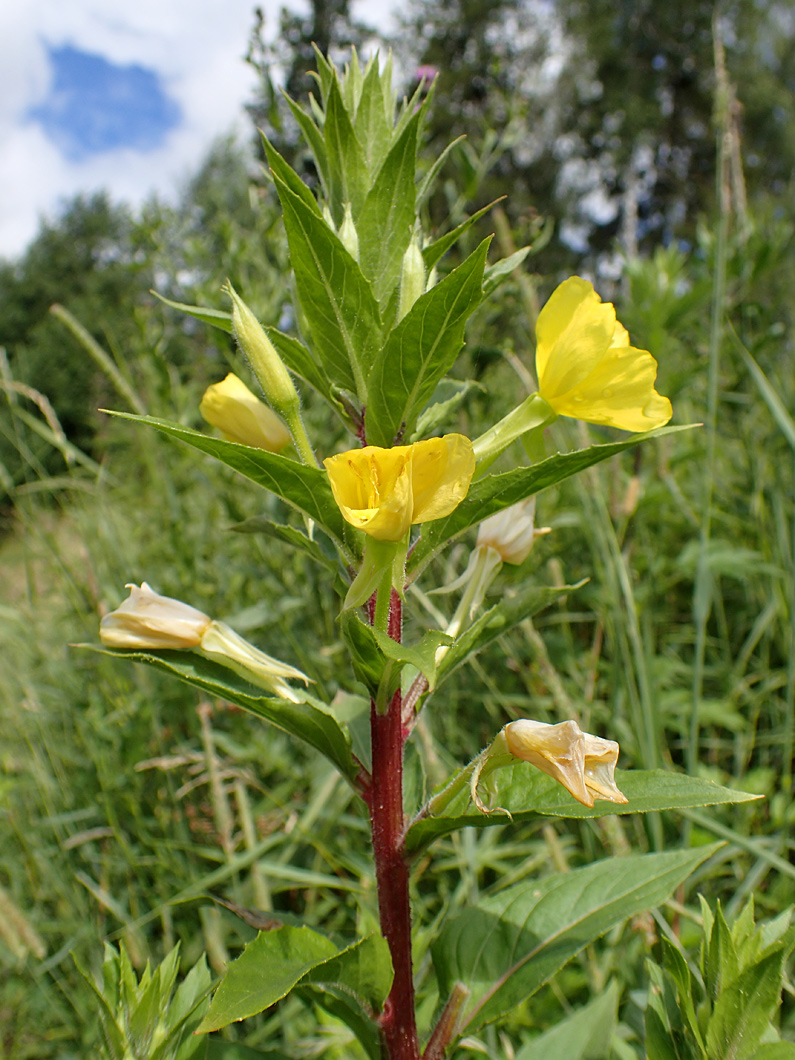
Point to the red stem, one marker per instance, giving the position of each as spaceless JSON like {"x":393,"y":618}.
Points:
{"x":397,"y":1020}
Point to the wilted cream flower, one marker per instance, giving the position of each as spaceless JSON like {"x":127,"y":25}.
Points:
{"x":147,"y":620}
{"x":584,"y":764}
{"x":511,"y":532}
{"x":242,"y":417}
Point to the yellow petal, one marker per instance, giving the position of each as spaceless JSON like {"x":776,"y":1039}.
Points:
{"x":619,"y":392}
{"x":573,"y":331}
{"x":441,"y":471}
{"x":242,"y":417}
{"x":587,"y":368}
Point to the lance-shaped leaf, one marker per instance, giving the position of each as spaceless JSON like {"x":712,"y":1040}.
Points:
{"x":353,"y":986}
{"x":494,"y":493}
{"x":289,"y":535}
{"x":374,"y":116}
{"x":434,"y":251}
{"x":335,"y":298}
{"x":216,"y":317}
{"x":498,"y":620}
{"x":303,"y":487}
{"x":421,"y":349}
{"x":525,"y":792}
{"x":512,"y":943}
{"x":266,"y":971}
{"x":310,"y":721}
{"x":347,"y":169}
{"x":384,"y":225}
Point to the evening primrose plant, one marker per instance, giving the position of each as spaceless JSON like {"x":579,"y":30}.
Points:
{"x":380,"y":325}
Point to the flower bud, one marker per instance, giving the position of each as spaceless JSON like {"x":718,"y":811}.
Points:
{"x":585,"y":765}
{"x":511,"y":533}
{"x":242,"y":417}
{"x":348,"y":234}
{"x":148,"y":620}
{"x":412,"y":278}
{"x":265,"y":361}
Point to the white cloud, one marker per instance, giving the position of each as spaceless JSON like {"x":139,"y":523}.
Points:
{"x":196,"y":48}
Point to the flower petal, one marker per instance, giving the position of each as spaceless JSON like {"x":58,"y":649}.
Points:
{"x":573,"y":332}
{"x":618,"y":392}
{"x":441,"y":471}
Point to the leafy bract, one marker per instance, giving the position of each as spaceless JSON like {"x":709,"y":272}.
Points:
{"x":513,"y":942}
{"x":525,"y":792}
{"x":420,"y":350}
{"x":302,"y":487}
{"x":310,"y":721}
{"x":494,"y":493}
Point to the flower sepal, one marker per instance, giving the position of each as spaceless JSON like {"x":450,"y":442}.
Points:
{"x":533,"y":414}
{"x":380,"y":559}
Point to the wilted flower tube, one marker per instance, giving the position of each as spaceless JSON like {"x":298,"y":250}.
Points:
{"x":386,"y":491}
{"x":584,"y":764}
{"x":242,"y":417}
{"x":586,"y":367}
{"x":511,"y":532}
{"x":147,"y":620}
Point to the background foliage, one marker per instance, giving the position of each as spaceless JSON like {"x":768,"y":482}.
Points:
{"x":125,"y":799}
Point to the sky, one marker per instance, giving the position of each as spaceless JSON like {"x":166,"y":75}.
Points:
{"x":121,"y":95}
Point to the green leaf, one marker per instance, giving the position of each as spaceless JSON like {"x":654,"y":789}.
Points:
{"x":265,"y":972}
{"x":428,"y":181}
{"x":335,"y":298}
{"x":371,"y":651}
{"x":513,"y":942}
{"x":373,"y":121}
{"x":722,"y":966}
{"x":526,"y":792}
{"x":309,"y":721}
{"x":493,"y":493}
{"x":289,"y":535}
{"x":347,"y":169}
{"x":363,"y":970}
{"x":501,"y":270}
{"x":511,"y":610}
{"x":384,"y":225}
{"x":744,"y":1008}
{"x":775,"y":1051}
{"x":314,"y":139}
{"x":446,"y":398}
{"x":433,"y":252}
{"x":679,"y":973}
{"x":304,"y":488}
{"x":585,"y":1035}
{"x":216,"y":317}
{"x":285,"y":175}
{"x":421,"y":350}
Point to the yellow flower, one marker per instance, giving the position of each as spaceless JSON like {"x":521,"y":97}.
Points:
{"x":585,"y":765}
{"x":242,"y":417}
{"x":586,"y":367}
{"x":385,"y":491}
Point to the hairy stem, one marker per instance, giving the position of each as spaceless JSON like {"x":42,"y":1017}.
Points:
{"x":397,"y":1021}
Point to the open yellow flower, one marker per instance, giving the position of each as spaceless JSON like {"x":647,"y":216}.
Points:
{"x":385,"y":491}
{"x":242,"y":417}
{"x":586,"y":367}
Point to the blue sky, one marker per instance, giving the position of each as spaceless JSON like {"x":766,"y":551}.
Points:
{"x":119,"y":95}
{"x":95,"y":105}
